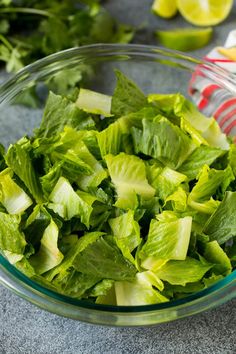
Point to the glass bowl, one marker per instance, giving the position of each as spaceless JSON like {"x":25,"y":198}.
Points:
{"x":155,"y":70}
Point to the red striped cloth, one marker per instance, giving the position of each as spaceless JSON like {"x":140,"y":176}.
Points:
{"x":212,"y":99}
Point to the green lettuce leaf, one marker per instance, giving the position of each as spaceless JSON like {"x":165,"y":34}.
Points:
{"x":48,"y":256}
{"x":167,"y":103}
{"x":74,"y":203}
{"x":128,"y":174}
{"x":166,"y":240}
{"x":127,"y":96}
{"x":134,"y":119}
{"x":221,"y":226}
{"x":94,"y":102}
{"x":208,"y":127}
{"x":25,"y":267}
{"x":178,"y":200}
{"x":126,"y":232}
{"x":110,"y":140}
{"x":36,"y":224}
{"x":11,"y":238}
{"x":60,"y":112}
{"x":62,"y":272}
{"x":14,"y":198}
{"x":19,"y":158}
{"x":232,"y":158}
{"x":182,"y":272}
{"x":76,"y":284}
{"x":138,"y":292}
{"x":163,"y":141}
{"x":209,"y":180}
{"x":103,"y":259}
{"x":167,"y":182}
{"x":49,"y":180}
{"x":202,"y":155}
{"x":78,"y":164}
{"x":102,"y":288}
{"x":213,"y":253}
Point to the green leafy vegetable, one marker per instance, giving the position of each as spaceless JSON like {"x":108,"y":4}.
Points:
{"x":127,"y":233}
{"x":14,"y":199}
{"x":129,"y":177}
{"x":11,"y":238}
{"x":123,"y":200}
{"x":48,"y":255}
{"x":221,"y":226}
{"x":104,"y":259}
{"x":166,"y":240}
{"x":182,"y":272}
{"x":162,"y":140}
{"x":127,"y":96}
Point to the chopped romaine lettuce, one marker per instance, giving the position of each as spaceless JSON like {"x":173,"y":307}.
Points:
{"x":127,"y":97}
{"x":122,"y":200}
{"x":48,"y":256}
{"x":182,"y":272}
{"x":166,"y":240}
{"x":94,"y":102}
{"x":12,"y":197}
{"x":128,"y":174}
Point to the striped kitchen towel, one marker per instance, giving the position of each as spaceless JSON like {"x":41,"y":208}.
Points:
{"x":212,"y":99}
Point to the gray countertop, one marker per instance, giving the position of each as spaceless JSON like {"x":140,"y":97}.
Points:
{"x":26,"y":329}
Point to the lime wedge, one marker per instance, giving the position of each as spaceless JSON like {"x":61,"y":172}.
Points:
{"x":204,"y":12}
{"x":164,"y":8}
{"x":185,"y":39}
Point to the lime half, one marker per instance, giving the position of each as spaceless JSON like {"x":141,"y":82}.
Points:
{"x":164,"y":8}
{"x":204,"y":12}
{"x":185,"y":39}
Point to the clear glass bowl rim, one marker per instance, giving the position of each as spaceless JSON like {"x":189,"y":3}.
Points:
{"x":219,"y":292}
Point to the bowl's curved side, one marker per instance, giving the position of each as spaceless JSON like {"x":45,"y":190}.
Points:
{"x":46,"y":299}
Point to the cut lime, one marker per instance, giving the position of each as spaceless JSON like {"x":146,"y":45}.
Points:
{"x":184,"y":39}
{"x":204,"y":12}
{"x":164,"y":8}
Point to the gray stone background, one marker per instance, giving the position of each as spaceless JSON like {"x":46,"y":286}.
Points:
{"x":26,"y":329}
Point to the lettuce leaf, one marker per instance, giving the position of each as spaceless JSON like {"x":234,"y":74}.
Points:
{"x":202,"y":155}
{"x":128,"y":174}
{"x":127,"y":97}
{"x":103,"y":259}
{"x":62,"y":272}
{"x":138,"y":292}
{"x":162,"y":140}
{"x":73,"y":203}
{"x":182,"y":272}
{"x":110,"y":140}
{"x":126,"y":232}
{"x":221,"y":226}
{"x":213,"y":253}
{"x":14,"y":198}
{"x":167,"y":182}
{"x":60,"y":112}
{"x":94,"y":102}
{"x":48,"y":256}
{"x":11,"y":238}
{"x":166,"y":240}
{"x":209,"y":180}
{"x":19,"y":158}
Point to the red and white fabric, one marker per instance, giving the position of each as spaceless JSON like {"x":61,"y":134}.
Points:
{"x":212,"y":99}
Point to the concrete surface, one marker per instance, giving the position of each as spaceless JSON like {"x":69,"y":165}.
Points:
{"x":27,"y":329}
